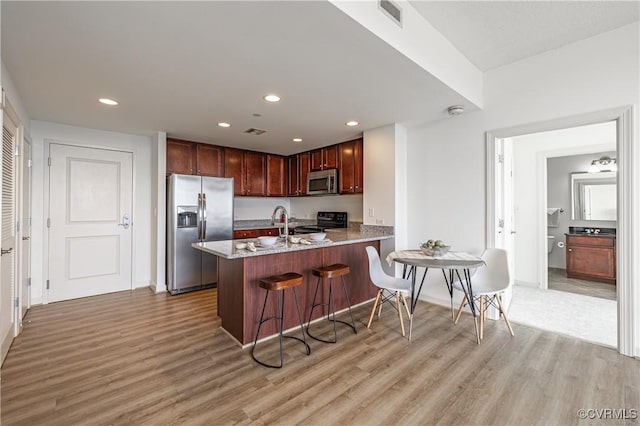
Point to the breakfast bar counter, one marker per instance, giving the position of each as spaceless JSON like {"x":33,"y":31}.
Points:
{"x":240,"y":297}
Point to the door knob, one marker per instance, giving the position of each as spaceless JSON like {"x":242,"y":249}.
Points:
{"x":3,"y":251}
{"x":125,"y":221}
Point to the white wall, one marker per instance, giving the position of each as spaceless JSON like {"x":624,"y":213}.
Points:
{"x":559,"y":170}
{"x":380,"y":176}
{"x":308,"y":207}
{"x":16,"y":101}
{"x":446,"y":159}
{"x":142,"y":215}
{"x":159,"y":214}
{"x":257,"y":208}
{"x":527,"y":150}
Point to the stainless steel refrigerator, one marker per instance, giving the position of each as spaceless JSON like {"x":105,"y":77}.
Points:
{"x":198,"y":209}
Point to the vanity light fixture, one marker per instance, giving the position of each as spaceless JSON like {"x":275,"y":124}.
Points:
{"x":351,"y":123}
{"x":107,"y":101}
{"x":271,"y":98}
{"x":223,"y":124}
{"x":297,"y":139}
{"x":603,"y":164}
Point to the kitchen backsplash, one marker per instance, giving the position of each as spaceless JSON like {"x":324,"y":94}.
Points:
{"x":261,"y":208}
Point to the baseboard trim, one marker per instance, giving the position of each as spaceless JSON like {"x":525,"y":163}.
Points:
{"x":6,"y":345}
{"x":157,"y":289}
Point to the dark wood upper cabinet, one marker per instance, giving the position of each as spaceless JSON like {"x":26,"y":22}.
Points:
{"x":181,"y":157}
{"x":303,"y":166}
{"x":350,"y":166}
{"x":255,"y":169}
{"x":234,"y":168}
{"x":276,"y":176}
{"x":325,"y":158}
{"x":210,"y":160}
{"x":299,"y":166}
{"x":293,"y":180}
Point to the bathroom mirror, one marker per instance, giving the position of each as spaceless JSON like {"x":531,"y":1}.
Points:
{"x":593,"y":196}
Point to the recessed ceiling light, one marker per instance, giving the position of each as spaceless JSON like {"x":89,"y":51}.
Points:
{"x":108,"y":101}
{"x":223,"y":124}
{"x":297,"y":139}
{"x":272,"y":98}
{"x":351,"y":123}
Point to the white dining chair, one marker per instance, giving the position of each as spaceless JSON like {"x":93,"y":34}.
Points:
{"x":488,"y":284}
{"x":395,"y":288}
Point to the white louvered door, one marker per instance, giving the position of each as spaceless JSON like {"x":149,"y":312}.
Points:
{"x":7,"y":258}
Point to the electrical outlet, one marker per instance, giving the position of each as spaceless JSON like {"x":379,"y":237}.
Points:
{"x":371,"y":212}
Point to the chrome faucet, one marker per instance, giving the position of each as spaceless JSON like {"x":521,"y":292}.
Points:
{"x":286,"y":219}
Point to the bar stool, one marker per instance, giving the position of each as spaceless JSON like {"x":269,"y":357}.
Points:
{"x":280,"y":283}
{"x":331,"y":271}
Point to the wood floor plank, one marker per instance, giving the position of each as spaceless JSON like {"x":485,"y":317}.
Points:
{"x":138,"y":358}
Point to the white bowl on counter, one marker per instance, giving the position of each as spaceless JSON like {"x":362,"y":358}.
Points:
{"x":318,"y":236}
{"x":266,"y":241}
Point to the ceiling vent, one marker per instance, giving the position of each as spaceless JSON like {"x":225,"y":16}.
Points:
{"x":391,"y":10}
{"x":253,"y":131}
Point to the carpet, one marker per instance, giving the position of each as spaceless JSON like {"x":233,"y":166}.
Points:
{"x":587,"y":318}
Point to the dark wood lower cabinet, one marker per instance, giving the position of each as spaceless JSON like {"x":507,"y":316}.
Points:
{"x":591,"y":258}
{"x":240,"y":297}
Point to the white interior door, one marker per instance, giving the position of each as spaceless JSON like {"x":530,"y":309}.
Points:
{"x":24,"y":239}
{"x":90,"y":206}
{"x":8,"y":237}
{"x":505,"y":228}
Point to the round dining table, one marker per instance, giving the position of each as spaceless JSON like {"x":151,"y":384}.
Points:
{"x":453,"y":262}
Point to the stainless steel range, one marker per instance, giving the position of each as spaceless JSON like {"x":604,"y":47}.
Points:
{"x":324,"y":221}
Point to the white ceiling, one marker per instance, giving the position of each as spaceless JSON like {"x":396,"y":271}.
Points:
{"x":181,"y":67}
{"x":495,"y":33}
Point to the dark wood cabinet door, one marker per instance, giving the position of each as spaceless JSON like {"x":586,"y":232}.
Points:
{"x":276,"y":176}
{"x":316,"y":160}
{"x":358,"y":160}
{"x":330,"y":157}
{"x":591,"y":258}
{"x":293,"y":187}
{"x":347,"y":168}
{"x":255,"y":174}
{"x":325,"y":158}
{"x":596,"y":262}
{"x":234,"y":168}
{"x":181,"y":157}
{"x":210,"y":160}
{"x":304,"y":166}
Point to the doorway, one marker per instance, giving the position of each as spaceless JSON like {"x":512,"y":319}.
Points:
{"x":90,"y":221}
{"x":628,"y":237}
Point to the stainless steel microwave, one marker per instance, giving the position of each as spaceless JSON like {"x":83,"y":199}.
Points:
{"x":322,"y":182}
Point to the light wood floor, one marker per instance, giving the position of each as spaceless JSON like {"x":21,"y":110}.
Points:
{"x":558,"y":281}
{"x":139,"y":358}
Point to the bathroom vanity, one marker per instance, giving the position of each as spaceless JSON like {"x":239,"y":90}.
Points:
{"x":591,"y":256}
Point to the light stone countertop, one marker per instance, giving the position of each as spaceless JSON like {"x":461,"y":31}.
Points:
{"x":227,"y":250}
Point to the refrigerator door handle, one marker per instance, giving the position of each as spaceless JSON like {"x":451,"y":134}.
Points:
{"x":204,"y":216}
{"x":199,"y":216}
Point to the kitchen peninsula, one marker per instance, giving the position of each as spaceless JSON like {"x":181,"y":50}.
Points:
{"x":240,"y":298}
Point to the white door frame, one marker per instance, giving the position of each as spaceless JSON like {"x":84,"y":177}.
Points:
{"x":45,"y":263}
{"x":628,"y":235}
